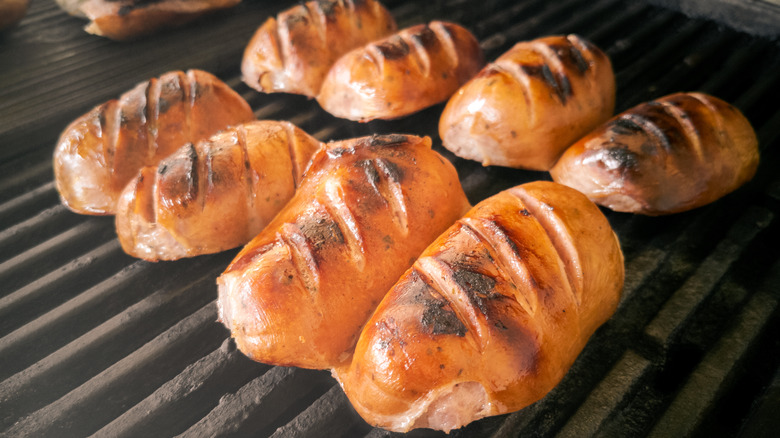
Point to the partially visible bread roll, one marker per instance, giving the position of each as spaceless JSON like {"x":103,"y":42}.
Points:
{"x":293,"y":52}
{"x":492,"y":315}
{"x":127,"y":19}
{"x":416,"y":68}
{"x":101,"y":151}
{"x":299,"y":293}
{"x":527,"y":107}
{"x":213,"y":195}
{"x":666,"y":156}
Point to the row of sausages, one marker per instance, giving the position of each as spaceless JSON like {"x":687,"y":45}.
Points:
{"x":488,"y":305}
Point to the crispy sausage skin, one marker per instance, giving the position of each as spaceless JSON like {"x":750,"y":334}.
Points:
{"x":492,"y":315}
{"x":214,"y":195}
{"x":128,"y":19}
{"x":101,"y":151}
{"x":666,"y":156}
{"x":527,"y":107}
{"x":299,"y":293}
{"x":293,"y":52}
{"x":411,"y":70}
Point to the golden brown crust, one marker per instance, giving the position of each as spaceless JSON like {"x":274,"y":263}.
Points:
{"x":299,"y":293}
{"x":215,"y":195}
{"x":293,"y":52}
{"x":128,"y":19}
{"x":101,"y":151}
{"x":666,"y":156}
{"x":491,"y":315}
{"x":416,"y":68}
{"x":527,"y":107}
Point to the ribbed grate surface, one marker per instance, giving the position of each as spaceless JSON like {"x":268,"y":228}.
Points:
{"x":93,"y":342}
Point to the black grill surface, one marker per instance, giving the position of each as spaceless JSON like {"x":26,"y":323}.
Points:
{"x":94,"y":342}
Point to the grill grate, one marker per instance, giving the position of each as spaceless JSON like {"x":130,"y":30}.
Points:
{"x":93,"y":342}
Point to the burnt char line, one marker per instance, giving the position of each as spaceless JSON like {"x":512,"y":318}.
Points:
{"x":638,"y":122}
{"x":687,"y":127}
{"x":393,"y":48}
{"x":391,"y":170}
{"x":151,"y":115}
{"x":553,"y":73}
{"x":320,"y":231}
{"x":192,"y":175}
{"x":626,"y":159}
{"x":301,"y":255}
{"x":344,"y":220}
{"x":505,"y":255}
{"x":109,"y":127}
{"x":328,"y":7}
{"x":435,"y":318}
{"x":377,"y":140}
{"x":372,"y":175}
{"x":576,"y":55}
{"x":479,"y":287}
{"x":423,"y":41}
{"x":437,"y":275}
{"x":241,"y":142}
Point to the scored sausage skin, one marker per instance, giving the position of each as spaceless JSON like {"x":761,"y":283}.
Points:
{"x":673,"y":154}
{"x":293,"y":52}
{"x":299,"y":293}
{"x":411,"y":70}
{"x":491,"y":315}
{"x":101,"y":151}
{"x":213,"y":195}
{"x":525,"y":108}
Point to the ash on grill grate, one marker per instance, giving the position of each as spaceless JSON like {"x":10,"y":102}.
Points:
{"x":95,"y":342}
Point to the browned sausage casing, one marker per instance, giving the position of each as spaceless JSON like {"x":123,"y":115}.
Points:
{"x":666,"y":156}
{"x":127,"y":19}
{"x":293,"y":52}
{"x":527,"y":107}
{"x":492,"y":314}
{"x":299,"y":293}
{"x":416,"y":68}
{"x":214,"y":195}
{"x":101,"y":151}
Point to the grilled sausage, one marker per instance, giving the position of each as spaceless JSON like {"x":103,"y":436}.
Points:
{"x":299,"y":293}
{"x":128,"y":19}
{"x":215,"y":195}
{"x":666,"y":156}
{"x":492,"y":314}
{"x":12,"y":12}
{"x":527,"y":107}
{"x":293,"y":52}
{"x":416,"y":68}
{"x":101,"y":151}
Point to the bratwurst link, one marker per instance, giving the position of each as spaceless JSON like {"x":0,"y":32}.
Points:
{"x":299,"y":293}
{"x":214,"y":195}
{"x":492,"y":314}
{"x":101,"y":151}
{"x":665,"y":156}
